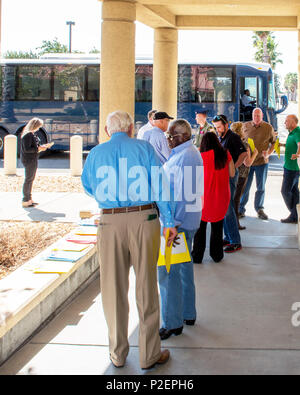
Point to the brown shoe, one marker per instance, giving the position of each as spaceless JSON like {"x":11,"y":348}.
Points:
{"x":27,"y":204}
{"x":164,"y":357}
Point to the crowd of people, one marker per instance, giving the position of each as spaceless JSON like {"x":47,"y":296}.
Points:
{"x":161,"y":184}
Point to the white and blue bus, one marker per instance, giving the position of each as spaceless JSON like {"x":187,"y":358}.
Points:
{"x":64,"y":92}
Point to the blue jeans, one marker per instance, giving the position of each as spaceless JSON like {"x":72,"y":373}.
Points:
{"x":261,"y":173}
{"x":231,"y":226}
{"x":177,"y":290}
{"x":290,"y":191}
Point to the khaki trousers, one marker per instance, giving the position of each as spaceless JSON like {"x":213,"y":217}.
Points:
{"x":123,"y":240}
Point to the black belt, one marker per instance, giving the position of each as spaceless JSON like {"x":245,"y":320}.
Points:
{"x":130,"y":209}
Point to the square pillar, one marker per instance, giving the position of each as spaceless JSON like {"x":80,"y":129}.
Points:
{"x":165,"y":70}
{"x":298,"y":88}
{"x":117,"y":69}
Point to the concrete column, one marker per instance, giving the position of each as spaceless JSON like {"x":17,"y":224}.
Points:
{"x":76,"y":155}
{"x":298,"y":68}
{"x":0,"y":28}
{"x":10,"y":155}
{"x":165,"y":70}
{"x":117,"y":70}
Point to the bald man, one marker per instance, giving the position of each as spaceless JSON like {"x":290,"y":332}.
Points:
{"x":290,"y":182}
{"x":264,"y":139}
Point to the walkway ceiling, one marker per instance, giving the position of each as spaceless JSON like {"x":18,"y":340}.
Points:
{"x":220,"y":14}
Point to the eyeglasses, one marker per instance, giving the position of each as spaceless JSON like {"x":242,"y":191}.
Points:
{"x":171,"y":137}
{"x":218,"y":118}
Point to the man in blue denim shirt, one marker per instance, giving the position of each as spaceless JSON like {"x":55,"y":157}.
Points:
{"x":185,"y":172}
{"x":156,"y":136}
{"x":121,"y":175}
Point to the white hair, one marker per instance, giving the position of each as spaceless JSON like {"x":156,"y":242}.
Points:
{"x":118,"y":121}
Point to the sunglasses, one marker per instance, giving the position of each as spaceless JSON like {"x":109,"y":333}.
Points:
{"x":171,"y":137}
{"x":218,"y":118}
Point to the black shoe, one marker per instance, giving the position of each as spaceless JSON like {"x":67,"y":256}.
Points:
{"x":189,"y":322}
{"x":166,"y":333}
{"x":261,"y":214}
{"x":226,"y":243}
{"x":233,"y":248}
{"x":242,"y":227}
{"x":289,"y":220}
{"x":242,"y":215}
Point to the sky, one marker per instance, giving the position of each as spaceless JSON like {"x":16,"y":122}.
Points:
{"x":26,"y":23}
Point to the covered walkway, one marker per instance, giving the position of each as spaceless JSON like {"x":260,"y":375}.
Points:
{"x":244,"y":323}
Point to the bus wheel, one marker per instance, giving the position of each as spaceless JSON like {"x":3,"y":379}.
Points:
{"x":3,"y":133}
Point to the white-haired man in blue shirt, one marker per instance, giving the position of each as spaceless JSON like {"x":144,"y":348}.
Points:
{"x":119,"y":175}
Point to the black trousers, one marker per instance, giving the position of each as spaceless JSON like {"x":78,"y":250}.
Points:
{"x":30,"y":172}
{"x":216,"y":242}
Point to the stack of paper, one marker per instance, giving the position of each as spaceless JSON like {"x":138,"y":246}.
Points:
{"x":65,"y":245}
{"x":82,"y":239}
{"x":68,"y":256}
{"x":86,"y":231}
{"x":54,"y":267}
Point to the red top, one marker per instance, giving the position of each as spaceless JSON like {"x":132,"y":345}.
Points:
{"x":216,"y":188}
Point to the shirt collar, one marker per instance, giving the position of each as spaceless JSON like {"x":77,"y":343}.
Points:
{"x":296,"y":129}
{"x":181,"y":147}
{"x":119,"y":135}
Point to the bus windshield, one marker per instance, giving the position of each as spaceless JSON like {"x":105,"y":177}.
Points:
{"x":271,"y":95}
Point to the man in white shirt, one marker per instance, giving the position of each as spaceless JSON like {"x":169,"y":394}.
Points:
{"x":148,"y":125}
{"x":246,"y":99}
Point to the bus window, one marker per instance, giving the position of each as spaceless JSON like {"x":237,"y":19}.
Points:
{"x":93,"y":73}
{"x":271,"y":95}
{"x":143,"y":83}
{"x":33,"y":83}
{"x":251,"y":85}
{"x":205,"y":84}
{"x":260,"y":92}
{"x":69,"y":83}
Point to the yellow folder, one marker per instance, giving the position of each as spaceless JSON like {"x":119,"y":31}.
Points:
{"x":252,"y":145}
{"x":179,"y":253}
{"x":54,"y":267}
{"x":277,"y":148}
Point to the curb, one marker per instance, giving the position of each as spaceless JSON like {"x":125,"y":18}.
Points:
{"x":28,"y":301}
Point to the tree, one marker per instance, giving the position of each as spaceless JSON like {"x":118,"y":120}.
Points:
{"x":266,"y":46}
{"x":291,"y":85}
{"x":20,"y":55}
{"x":53,"y":46}
{"x":94,"y":50}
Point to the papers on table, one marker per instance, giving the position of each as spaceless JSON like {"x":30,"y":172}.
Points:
{"x":66,"y":252}
{"x":179,"y":253}
{"x":86,"y":231}
{"x":54,"y":267}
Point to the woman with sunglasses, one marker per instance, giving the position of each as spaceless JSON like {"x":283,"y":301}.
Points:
{"x":218,"y":166}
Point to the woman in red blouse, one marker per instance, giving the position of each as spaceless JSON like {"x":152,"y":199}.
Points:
{"x":218,"y":166}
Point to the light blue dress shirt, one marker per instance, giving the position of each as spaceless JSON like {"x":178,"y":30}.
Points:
{"x":184,"y":170}
{"x":157,"y":138}
{"x":126,"y":172}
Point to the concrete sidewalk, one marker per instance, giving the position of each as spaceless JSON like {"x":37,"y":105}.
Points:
{"x":244,"y":305}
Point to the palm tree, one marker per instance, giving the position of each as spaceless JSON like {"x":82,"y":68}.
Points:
{"x":266,"y":46}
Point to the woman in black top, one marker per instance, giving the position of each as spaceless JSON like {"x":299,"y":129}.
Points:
{"x":30,"y":149}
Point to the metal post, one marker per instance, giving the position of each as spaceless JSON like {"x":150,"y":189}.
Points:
{"x":70,"y":23}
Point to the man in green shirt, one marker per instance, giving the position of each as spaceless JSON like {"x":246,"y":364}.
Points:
{"x":204,"y":127}
{"x":290,"y":182}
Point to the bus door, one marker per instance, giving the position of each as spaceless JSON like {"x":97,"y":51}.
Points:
{"x":255,"y":86}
